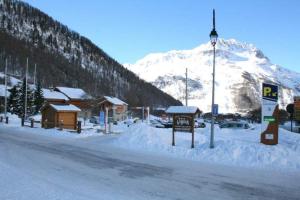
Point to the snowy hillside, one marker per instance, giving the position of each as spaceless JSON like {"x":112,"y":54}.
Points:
{"x":240,"y":70}
{"x":65,"y":58}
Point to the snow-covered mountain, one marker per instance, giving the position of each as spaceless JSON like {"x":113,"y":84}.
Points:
{"x":240,"y":70}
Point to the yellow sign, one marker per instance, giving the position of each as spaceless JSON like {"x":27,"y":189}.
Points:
{"x":270,"y":92}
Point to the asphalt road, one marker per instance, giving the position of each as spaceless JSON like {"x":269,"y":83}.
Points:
{"x":40,"y":167}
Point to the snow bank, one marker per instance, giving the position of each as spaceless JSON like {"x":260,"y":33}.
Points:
{"x":15,"y":123}
{"x":232,"y":147}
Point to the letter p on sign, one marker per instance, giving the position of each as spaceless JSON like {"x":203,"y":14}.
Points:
{"x":270,"y":92}
{"x":267,"y":91}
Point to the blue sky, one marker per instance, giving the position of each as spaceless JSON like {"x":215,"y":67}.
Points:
{"x":130,"y":29}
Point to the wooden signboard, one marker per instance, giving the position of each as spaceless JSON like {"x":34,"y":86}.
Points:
{"x":183,"y":123}
{"x":183,"y":120}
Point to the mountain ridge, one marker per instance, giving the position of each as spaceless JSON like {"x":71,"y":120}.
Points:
{"x":240,"y":70}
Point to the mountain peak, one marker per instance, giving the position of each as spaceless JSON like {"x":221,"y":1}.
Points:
{"x":233,"y":44}
{"x":240,"y":70}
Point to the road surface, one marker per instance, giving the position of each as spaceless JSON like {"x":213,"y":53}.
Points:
{"x":35,"y":166}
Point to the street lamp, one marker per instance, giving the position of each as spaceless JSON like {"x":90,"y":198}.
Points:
{"x":213,"y":39}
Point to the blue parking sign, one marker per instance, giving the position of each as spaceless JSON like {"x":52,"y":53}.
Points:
{"x":102,"y":118}
{"x":215,"y":109}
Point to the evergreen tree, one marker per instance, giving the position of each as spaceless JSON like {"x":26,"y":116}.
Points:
{"x":21,"y":100}
{"x":13,"y":99}
{"x":38,"y":98}
{"x":255,"y":115}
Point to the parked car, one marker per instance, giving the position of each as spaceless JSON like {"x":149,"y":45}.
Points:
{"x":156,"y":123}
{"x":200,"y":125}
{"x":209,"y":121}
{"x":135,"y":120}
{"x":131,"y":121}
{"x":167,"y":124}
{"x":95,"y":120}
{"x":234,"y":125}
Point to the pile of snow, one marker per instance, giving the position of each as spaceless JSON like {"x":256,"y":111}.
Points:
{"x":232,"y":146}
{"x":15,"y":123}
{"x":37,"y":117}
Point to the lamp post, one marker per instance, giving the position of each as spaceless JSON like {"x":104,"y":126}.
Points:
{"x":213,"y":39}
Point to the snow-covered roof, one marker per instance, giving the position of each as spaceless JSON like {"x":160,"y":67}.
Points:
{"x":74,"y":93}
{"x":115,"y":100}
{"x":51,"y":94}
{"x":65,"y":107}
{"x":2,"y":91}
{"x":182,"y":109}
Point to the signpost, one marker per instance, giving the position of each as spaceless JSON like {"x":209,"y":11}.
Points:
{"x":215,"y":110}
{"x":106,"y":119}
{"x":183,"y":123}
{"x":102,"y":118}
{"x":183,"y":120}
{"x":270,"y":114}
{"x":290,"y":110}
{"x":297,"y":108}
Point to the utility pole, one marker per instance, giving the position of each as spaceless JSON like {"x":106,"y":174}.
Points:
{"x":25,"y":109}
{"x":186,"y":87}
{"x":5,"y":92}
{"x":148,"y":114}
{"x":143,"y":114}
{"x":34,"y":76}
{"x":34,"y":83}
{"x":106,"y":119}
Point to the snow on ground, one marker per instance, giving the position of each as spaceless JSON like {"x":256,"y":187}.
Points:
{"x":38,"y":167}
{"x":88,"y":130}
{"x":295,"y":126}
{"x":233,"y":147}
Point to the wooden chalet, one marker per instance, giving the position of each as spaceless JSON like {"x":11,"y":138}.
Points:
{"x":56,"y":115}
{"x":117,"y":109}
{"x":79,"y":98}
